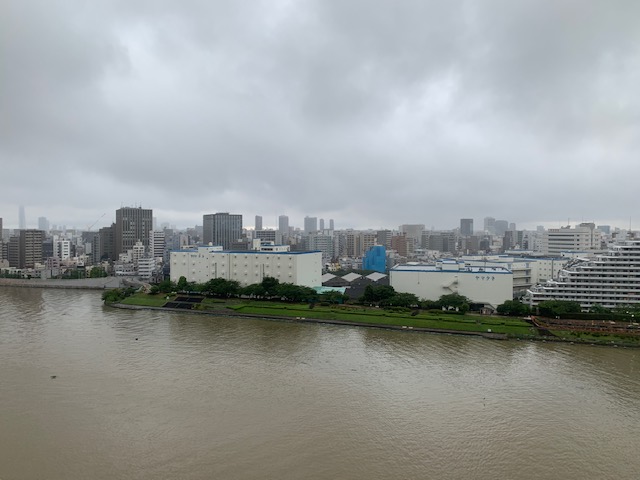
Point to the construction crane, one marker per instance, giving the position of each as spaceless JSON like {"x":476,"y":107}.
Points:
{"x":94,"y":223}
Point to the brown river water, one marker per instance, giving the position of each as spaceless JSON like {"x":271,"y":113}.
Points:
{"x":154,"y":395}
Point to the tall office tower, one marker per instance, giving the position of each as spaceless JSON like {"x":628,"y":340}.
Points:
{"x":310,"y":224}
{"x":490,"y":225}
{"x":331,"y":224}
{"x":501,"y":226}
{"x":104,"y":244}
{"x":221,"y":229}
{"x":321,"y":225}
{"x":512,"y":226}
{"x":283,"y":224}
{"x":43,"y":224}
{"x":132,"y":224}
{"x":258,"y":225}
{"x":0,"y":229}
{"x":30,"y":248}
{"x":466,"y":227}
{"x":22,"y":221}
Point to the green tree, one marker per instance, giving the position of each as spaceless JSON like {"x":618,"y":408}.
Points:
{"x":182,"y":284}
{"x":513,"y":308}
{"x":97,"y":272}
{"x":558,"y":308}
{"x":377,"y":293}
{"x":401,"y":300}
{"x":454,"y":301}
{"x":270,"y":286}
{"x":167,"y":286}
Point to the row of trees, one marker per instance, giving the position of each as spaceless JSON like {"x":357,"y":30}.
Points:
{"x":385,"y":296}
{"x":269,"y":289}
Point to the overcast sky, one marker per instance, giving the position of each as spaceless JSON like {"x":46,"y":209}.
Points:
{"x":374,"y":114}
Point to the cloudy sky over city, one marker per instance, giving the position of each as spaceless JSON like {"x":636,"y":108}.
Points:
{"x":374,"y":114}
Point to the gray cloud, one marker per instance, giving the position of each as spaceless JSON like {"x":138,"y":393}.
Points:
{"x":409,"y":112}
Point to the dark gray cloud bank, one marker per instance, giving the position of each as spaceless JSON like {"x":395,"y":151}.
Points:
{"x":374,"y":114}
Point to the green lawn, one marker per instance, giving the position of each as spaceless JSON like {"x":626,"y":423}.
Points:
{"x":469,"y":323}
{"x":146,"y":300}
{"x":588,"y":337}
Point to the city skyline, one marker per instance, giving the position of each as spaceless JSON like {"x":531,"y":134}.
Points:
{"x":371,"y":117}
{"x":35,"y":222}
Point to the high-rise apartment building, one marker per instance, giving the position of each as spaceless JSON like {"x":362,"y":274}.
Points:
{"x":466,"y":227}
{"x":258,"y":224}
{"x":132,"y":224}
{"x":221,"y":229}
{"x":25,"y":249}
{"x":156,"y":243}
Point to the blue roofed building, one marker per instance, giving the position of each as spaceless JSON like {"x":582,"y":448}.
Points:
{"x":375,"y":259}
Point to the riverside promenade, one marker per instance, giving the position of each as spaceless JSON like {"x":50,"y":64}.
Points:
{"x":81,"y":283}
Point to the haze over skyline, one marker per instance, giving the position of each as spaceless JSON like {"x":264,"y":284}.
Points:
{"x":410,"y":112}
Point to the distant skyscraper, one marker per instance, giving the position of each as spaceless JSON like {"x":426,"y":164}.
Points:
{"x":43,"y":224}
{"x":512,"y":227}
{"x":321,"y":226}
{"x":132,"y":224}
{"x":310,"y":224}
{"x":331,"y":224}
{"x":0,"y":229}
{"x":283,"y":224}
{"x":466,"y":227}
{"x":258,"y":225}
{"x":22,"y":220}
{"x":221,"y":229}
{"x":490,"y":225}
{"x":501,"y":226}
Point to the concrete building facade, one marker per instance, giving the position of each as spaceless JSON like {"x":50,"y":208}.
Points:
{"x":132,"y":224}
{"x":486,"y":285}
{"x":247,"y":267}
{"x":221,"y":229}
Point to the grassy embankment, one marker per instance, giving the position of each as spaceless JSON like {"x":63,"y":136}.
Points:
{"x":599,"y":338}
{"x":355,"y":314}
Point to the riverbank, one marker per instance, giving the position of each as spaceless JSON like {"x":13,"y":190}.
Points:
{"x":492,"y":327}
{"x":103,"y":283}
{"x":298,"y":319}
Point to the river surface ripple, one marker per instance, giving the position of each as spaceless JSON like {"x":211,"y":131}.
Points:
{"x":154,"y":395}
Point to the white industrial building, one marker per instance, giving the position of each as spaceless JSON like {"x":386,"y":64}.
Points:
{"x":527,"y":271}
{"x":247,"y":267}
{"x":487,"y":285}
{"x":584,"y":237}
